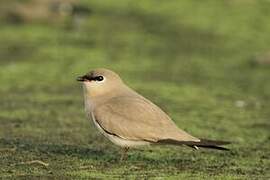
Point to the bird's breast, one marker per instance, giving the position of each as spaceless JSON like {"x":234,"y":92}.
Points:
{"x":88,"y":105}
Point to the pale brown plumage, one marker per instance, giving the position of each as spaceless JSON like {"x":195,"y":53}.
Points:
{"x":136,"y":118}
{"x":128,"y":119}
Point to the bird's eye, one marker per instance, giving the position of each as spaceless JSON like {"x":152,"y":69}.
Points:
{"x":99,"y":78}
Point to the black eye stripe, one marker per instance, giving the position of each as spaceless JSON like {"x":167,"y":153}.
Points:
{"x":93,"y":78}
{"x":98,"y":78}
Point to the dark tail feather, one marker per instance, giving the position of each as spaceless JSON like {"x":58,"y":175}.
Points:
{"x":209,"y":147}
{"x":204,"y":143}
{"x":207,"y":141}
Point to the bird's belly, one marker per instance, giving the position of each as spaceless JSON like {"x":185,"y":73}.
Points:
{"x":117,"y":140}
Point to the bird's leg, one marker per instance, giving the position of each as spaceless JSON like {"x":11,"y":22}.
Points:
{"x":124,"y":154}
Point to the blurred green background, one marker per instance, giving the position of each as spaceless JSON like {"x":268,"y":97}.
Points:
{"x":206,"y":63}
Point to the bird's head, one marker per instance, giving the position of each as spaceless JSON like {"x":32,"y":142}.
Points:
{"x":100,"y":82}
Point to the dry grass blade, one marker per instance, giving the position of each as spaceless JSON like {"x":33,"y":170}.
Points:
{"x":34,"y":162}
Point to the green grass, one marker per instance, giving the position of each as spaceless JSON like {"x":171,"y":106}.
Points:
{"x":194,"y":59}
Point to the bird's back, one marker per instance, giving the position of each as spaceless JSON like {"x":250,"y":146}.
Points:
{"x":136,"y":118}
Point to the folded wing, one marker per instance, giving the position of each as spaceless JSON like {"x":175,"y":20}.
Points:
{"x":135,"y":118}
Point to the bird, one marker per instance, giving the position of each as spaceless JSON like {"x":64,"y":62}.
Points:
{"x":130,"y":120}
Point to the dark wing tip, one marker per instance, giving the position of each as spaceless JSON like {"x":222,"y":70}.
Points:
{"x":214,"y":142}
{"x":211,"y":144}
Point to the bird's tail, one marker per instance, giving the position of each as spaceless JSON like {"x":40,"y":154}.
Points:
{"x":203,"y":143}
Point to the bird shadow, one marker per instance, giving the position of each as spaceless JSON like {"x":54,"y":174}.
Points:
{"x":80,"y":151}
{"x":51,"y":148}
{"x":140,"y":157}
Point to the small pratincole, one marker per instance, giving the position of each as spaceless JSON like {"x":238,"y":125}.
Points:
{"x":128,"y":119}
